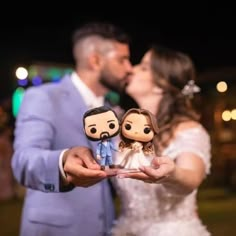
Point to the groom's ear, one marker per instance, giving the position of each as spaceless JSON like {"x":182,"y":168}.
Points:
{"x":95,"y":61}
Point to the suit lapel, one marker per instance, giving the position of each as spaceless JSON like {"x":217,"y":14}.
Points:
{"x":76,"y":107}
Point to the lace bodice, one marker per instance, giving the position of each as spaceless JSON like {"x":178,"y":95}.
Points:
{"x":151,"y":209}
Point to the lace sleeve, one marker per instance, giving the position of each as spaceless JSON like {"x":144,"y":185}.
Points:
{"x":195,"y":140}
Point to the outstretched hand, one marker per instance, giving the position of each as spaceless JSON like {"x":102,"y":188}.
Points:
{"x":159,"y":171}
{"x":80,"y":167}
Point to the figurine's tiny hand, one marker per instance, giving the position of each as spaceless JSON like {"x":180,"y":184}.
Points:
{"x":99,"y":157}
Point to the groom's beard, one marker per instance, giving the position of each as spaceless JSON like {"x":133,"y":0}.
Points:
{"x":117,"y":87}
{"x":114,"y":84}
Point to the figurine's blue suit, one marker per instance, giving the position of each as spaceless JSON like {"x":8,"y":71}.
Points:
{"x":104,"y":150}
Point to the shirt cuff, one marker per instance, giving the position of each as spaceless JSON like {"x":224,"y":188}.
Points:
{"x":63,"y":174}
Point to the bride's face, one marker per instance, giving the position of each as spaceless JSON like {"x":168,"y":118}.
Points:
{"x":141,"y":82}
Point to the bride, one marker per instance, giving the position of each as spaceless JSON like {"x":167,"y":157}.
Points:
{"x":161,"y":198}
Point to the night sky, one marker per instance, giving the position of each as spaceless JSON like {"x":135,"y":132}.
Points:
{"x":205,"y":32}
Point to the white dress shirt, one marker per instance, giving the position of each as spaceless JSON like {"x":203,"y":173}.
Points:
{"x":90,"y":99}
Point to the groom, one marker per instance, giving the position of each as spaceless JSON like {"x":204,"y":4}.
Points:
{"x":67,"y":193}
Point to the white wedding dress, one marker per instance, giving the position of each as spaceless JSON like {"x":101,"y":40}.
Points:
{"x":152,"y":209}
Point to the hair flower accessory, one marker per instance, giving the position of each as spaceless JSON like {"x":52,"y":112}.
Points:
{"x":190,"y":88}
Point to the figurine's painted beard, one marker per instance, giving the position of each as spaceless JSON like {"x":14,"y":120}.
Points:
{"x":104,"y":136}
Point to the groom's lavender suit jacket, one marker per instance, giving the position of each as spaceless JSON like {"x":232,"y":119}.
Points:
{"x":50,"y":120}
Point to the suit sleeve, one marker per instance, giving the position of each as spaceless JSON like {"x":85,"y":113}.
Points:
{"x":34,"y":164}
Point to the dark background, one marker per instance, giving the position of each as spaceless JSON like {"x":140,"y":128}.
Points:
{"x":205,"y":31}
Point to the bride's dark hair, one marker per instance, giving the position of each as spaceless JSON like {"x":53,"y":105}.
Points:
{"x":172,"y":70}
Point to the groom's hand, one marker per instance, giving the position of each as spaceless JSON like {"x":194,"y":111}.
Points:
{"x":80,"y":167}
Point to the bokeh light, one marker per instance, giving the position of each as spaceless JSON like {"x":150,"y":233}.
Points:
{"x":226,"y":115}
{"x":21,"y":73}
{"x":222,"y":86}
{"x":233,"y":114}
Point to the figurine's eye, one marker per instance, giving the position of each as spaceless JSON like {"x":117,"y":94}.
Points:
{"x":93,"y":130}
{"x":128,"y":126}
{"x":147,"y":130}
{"x":112,"y":126}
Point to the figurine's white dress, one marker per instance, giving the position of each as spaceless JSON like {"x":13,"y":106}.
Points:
{"x":133,"y":158}
{"x":152,"y":209}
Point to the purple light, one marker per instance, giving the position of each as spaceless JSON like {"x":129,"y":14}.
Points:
{"x":22,"y":82}
{"x":37,"y":80}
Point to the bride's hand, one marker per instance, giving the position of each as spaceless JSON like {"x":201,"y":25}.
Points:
{"x":159,"y":171}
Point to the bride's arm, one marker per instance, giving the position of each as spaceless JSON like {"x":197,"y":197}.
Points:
{"x":188,"y":174}
{"x":180,"y":177}
{"x":188,"y":169}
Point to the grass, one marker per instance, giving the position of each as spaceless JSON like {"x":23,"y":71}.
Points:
{"x":217,"y":209}
{"x":10,"y":212}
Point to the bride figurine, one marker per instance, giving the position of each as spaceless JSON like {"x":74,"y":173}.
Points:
{"x":138,"y":129}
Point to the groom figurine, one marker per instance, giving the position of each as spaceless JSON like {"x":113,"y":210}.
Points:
{"x":101,"y":124}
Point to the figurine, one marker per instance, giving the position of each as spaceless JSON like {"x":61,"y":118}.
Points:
{"x":101,"y":124}
{"x":138,"y":129}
